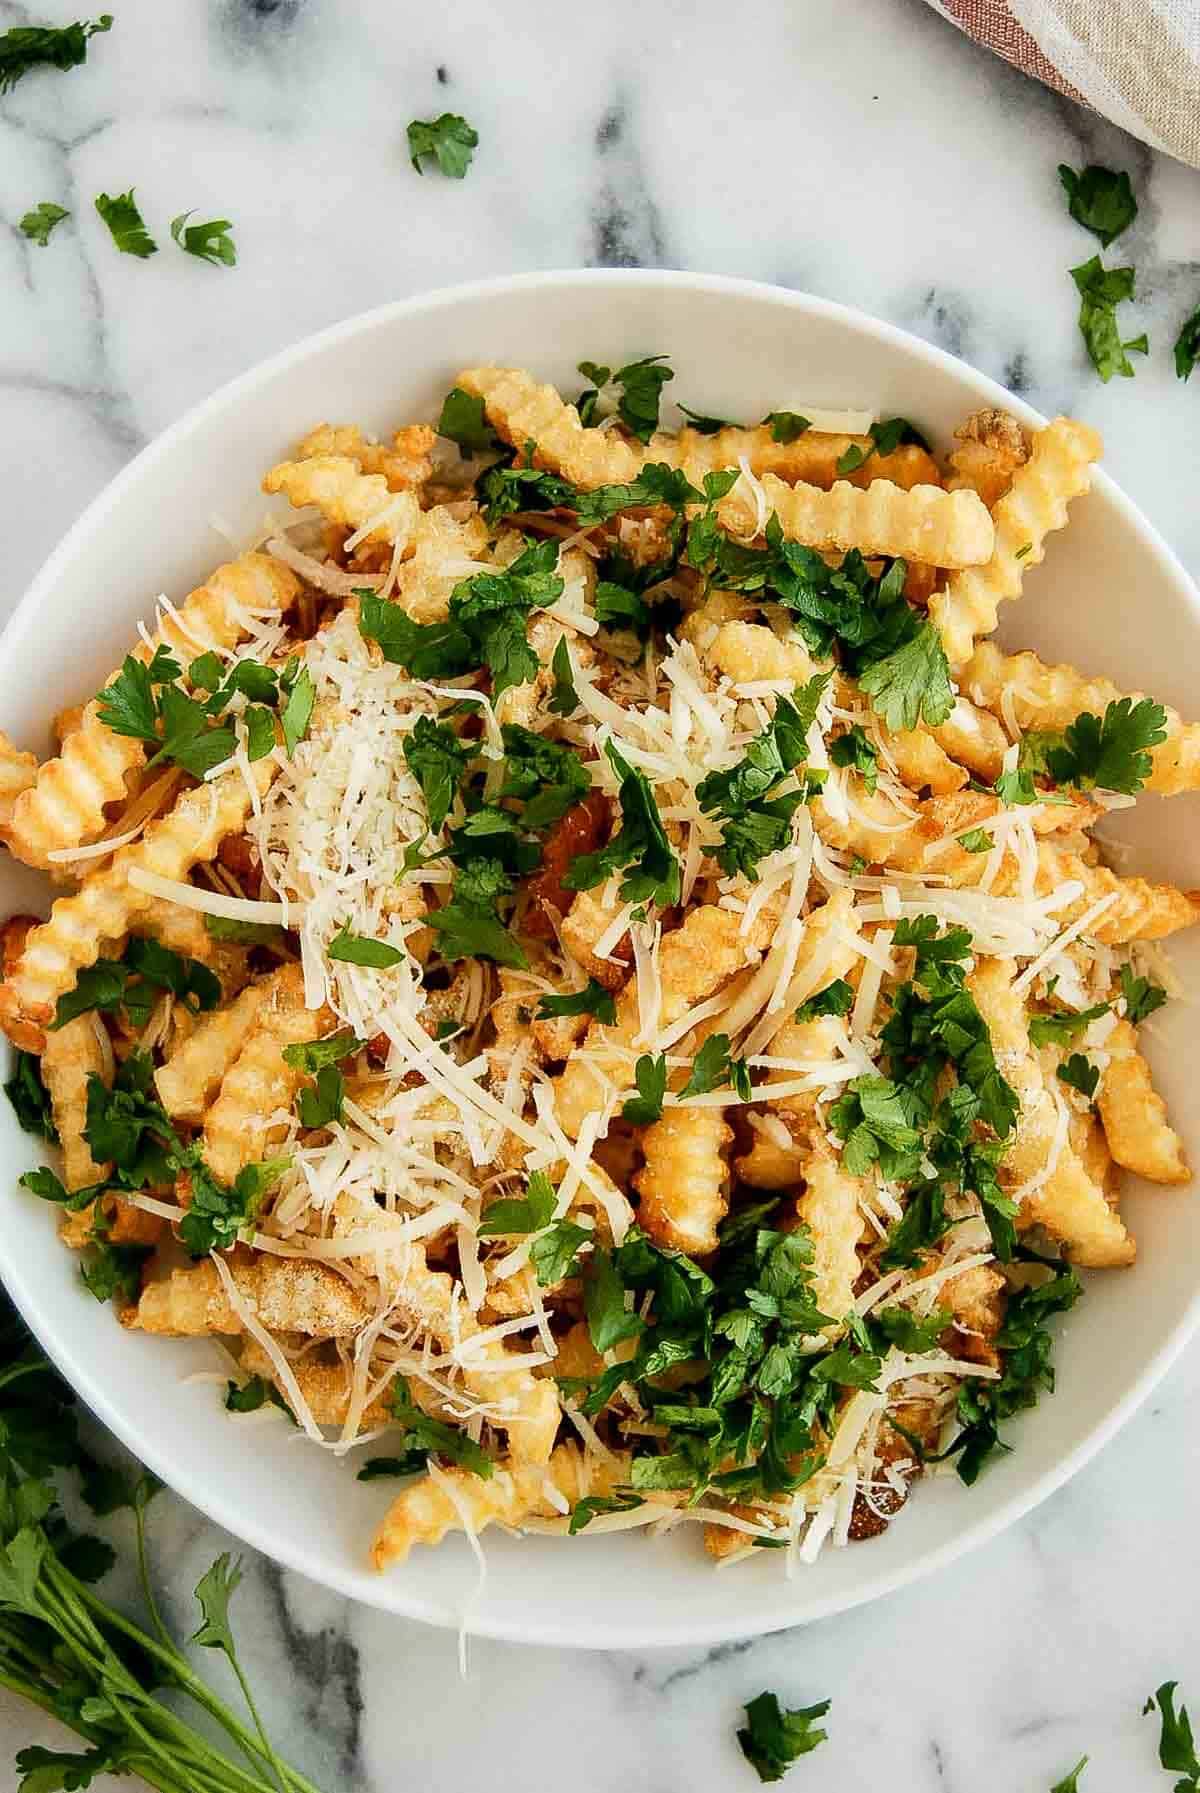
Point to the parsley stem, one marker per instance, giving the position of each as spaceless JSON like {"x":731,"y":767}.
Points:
{"x":139,"y":1518}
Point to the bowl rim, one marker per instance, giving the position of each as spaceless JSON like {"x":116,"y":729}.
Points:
{"x":388,"y":1594}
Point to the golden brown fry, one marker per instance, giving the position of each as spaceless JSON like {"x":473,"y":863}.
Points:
{"x":945,"y":529}
{"x":286,"y":1294}
{"x":436,"y":541}
{"x":326,"y":1386}
{"x":1037,"y":696}
{"x":684,"y":1184}
{"x":1055,"y":1190}
{"x":240,"y":1127}
{"x":775,"y":1159}
{"x":522,"y":411}
{"x":584,"y":924}
{"x":992,"y":445}
{"x":191,"y":1076}
{"x":1059,"y":468}
{"x":74,"y":1053}
{"x":66,"y":805}
{"x":976,"y":1298}
{"x":17,"y":772}
{"x":830,"y":1210}
{"x":405,"y":465}
{"x":425,"y":1513}
{"x":347,"y":496}
{"x":107,"y":904}
{"x":974,"y":738}
{"x":1134,"y":1115}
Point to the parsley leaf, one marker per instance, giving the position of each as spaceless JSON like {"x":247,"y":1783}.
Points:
{"x":786,"y":425}
{"x":210,"y":241}
{"x":1142,"y":997}
{"x":650,"y":1075}
{"x":25,"y":47}
{"x":641,"y":384}
{"x":712,"y":1067}
{"x":564,"y":699}
{"x":37,"y":224}
{"x":775,"y":1737}
{"x":593,"y":999}
{"x":312,"y":1055}
{"x":706,"y":426}
{"x":585,"y":1510}
{"x":1101,"y":199}
{"x":1070,"y":1782}
{"x":913,"y":683}
{"x":836,"y":998}
{"x":885,"y":438}
{"x":655,"y":484}
{"x":322,"y":1105}
{"x":507,"y":487}
{"x":524,"y":1214}
{"x":619,"y":608}
{"x":549,"y":777}
{"x":375,"y":1468}
{"x":1063,"y":1025}
{"x":464,"y":420}
{"x":245,"y":933}
{"x":220,"y":1214}
{"x":1177,"y":1746}
{"x":297,"y":710}
{"x":126,"y":226}
{"x":467,"y":926}
{"x":609,"y":1320}
{"x":640,"y":848}
{"x":977,"y":840}
{"x":1027,"y":1370}
{"x":855,"y":748}
{"x":1078,"y":1072}
{"x":875,"y":1120}
{"x":437,"y":760}
{"x":1187,"y":344}
{"x":912,"y":1332}
{"x":450,"y":140}
{"x":434,"y":1437}
{"x":554,"y":1253}
{"x":1112,"y":751}
{"x":30,"y":1097}
{"x":248,"y":1397}
{"x":355,"y":949}
{"x":1101,"y":290}
{"x":753,"y":824}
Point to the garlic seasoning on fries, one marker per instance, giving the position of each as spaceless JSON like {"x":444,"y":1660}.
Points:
{"x":595,"y":980}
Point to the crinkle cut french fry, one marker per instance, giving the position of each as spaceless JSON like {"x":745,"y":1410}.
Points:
{"x":830,"y":1210}
{"x":523,"y":411}
{"x":1134,"y":1115}
{"x":1038,"y":696}
{"x":192,"y":1075}
{"x":286,"y":1294}
{"x":945,"y":529}
{"x":775,"y":1159}
{"x":1063,"y":1199}
{"x":240,"y":1127}
{"x":66,"y":805}
{"x":684,"y":1183}
{"x":436,"y":541}
{"x":326,"y":1387}
{"x":18,"y":772}
{"x":74,"y":1053}
{"x":107,"y":904}
{"x":425,"y":1513}
{"x":992,"y":445}
{"x":1059,"y":468}
{"x":746,"y":653}
{"x":974,"y":738}
{"x":695,"y":960}
{"x":976,"y":1298}
{"x":584,"y":924}
{"x":406,"y":463}
{"x":345,"y":495}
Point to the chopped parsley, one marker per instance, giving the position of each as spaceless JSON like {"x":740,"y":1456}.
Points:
{"x":245,"y":933}
{"x":977,"y":840}
{"x":775,"y":1737}
{"x":30,"y":1098}
{"x":249,"y":1396}
{"x":135,"y":982}
{"x":619,"y":608}
{"x":467,"y":926}
{"x":786,"y":425}
{"x":433,"y":1437}
{"x":1187,"y":345}
{"x":713,"y":1067}
{"x":145,"y":702}
{"x":753,"y":823}
{"x":548,"y":777}
{"x":27,"y":47}
{"x":450,"y":140}
{"x":836,"y":998}
{"x":126,"y":226}
{"x":641,"y":383}
{"x":37,"y":224}
{"x":856,"y":749}
{"x":593,"y":999}
{"x":553,"y":1250}
{"x":1062,"y":1026}
{"x":1176,"y":1745}
{"x":640,"y":848}
{"x":1027,"y":1344}
{"x":321,"y":1105}
{"x":587,"y":1509}
{"x":464,"y":420}
{"x":564,"y":699}
{"x":507,"y":486}
{"x":650,"y":1076}
{"x":1101,"y":290}
{"x":311,"y":1055}
{"x":356,"y":949}
{"x":1101,"y":199}
{"x":1078,"y":1072}
{"x":1070,"y":1782}
{"x":912,"y":683}
{"x":885,"y":437}
{"x":220,"y":1214}
{"x":655,"y":484}
{"x":1142,"y":997}
{"x":437,"y":760}
{"x":1109,"y":752}
{"x":210,"y":241}
{"x":910,"y":1332}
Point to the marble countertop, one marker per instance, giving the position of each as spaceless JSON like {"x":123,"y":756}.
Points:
{"x":867,"y":153}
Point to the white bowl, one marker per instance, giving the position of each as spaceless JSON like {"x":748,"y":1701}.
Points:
{"x":1110,"y":597}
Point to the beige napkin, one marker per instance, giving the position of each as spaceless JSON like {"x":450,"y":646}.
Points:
{"x":1136,"y":61}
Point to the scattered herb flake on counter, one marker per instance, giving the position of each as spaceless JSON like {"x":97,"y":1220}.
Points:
{"x":1101,"y":290}
{"x":1187,"y":346}
{"x":37,"y":224}
{"x":1101,"y":199}
{"x":450,"y":140}
{"x":126,"y":226}
{"x":1070,"y":1782}
{"x":210,"y":241}
{"x":1176,"y":1745}
{"x":776,"y":1737}
{"x":63,"y":47}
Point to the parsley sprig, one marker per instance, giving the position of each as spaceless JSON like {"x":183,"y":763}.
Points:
{"x":27,"y":47}
{"x":640,"y":848}
{"x":753,"y":823}
{"x":775,"y":1737}
{"x":640,"y":383}
{"x":449,"y":140}
{"x":150,"y":702}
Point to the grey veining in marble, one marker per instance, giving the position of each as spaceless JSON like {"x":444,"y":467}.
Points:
{"x":868,"y":153}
